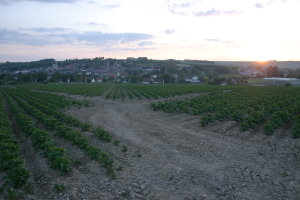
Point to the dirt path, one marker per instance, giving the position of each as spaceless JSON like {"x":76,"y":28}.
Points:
{"x":181,"y":160}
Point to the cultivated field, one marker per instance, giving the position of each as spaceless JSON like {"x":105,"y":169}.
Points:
{"x":160,"y":142}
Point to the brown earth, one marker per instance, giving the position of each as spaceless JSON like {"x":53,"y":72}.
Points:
{"x":171,"y":157}
{"x":181,"y":160}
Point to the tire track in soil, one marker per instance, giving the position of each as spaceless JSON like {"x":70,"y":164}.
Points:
{"x":136,"y":170}
{"x":184,"y":161}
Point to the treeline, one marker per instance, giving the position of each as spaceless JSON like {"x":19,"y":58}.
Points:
{"x":39,"y":77}
{"x":13,"y":66}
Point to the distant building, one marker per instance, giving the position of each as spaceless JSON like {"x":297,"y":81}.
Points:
{"x":249,"y":72}
{"x":194,"y":79}
{"x":147,"y":81}
{"x":22,"y":72}
{"x":223,"y":83}
{"x":55,"y":66}
{"x":281,"y":81}
{"x":154,"y":76}
{"x":99,"y":80}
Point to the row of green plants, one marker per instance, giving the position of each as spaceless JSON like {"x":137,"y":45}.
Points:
{"x":48,"y":109}
{"x":253,"y":107}
{"x":11,"y":162}
{"x":140,"y":91}
{"x":69,"y":134}
{"x":41,"y":140}
{"x":168,"y":90}
{"x":83,"y":89}
{"x":126,"y":91}
{"x":116,"y":92}
{"x":296,"y":129}
{"x":56,"y":100}
{"x":39,"y":115}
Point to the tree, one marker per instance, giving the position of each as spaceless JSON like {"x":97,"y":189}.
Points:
{"x":205,"y":79}
{"x":216,"y":80}
{"x":41,"y":77}
{"x":55,"y":77}
{"x":168,"y":78}
{"x":24,"y":77}
{"x":273,"y":71}
{"x":5,"y":78}
{"x":133,"y":79}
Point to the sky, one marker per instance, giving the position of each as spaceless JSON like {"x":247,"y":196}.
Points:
{"x":223,"y":30}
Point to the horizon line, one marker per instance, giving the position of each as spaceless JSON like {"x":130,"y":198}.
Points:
{"x":186,"y":59}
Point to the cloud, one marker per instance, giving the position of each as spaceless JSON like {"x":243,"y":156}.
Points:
{"x":96,"y":24}
{"x":214,"y":12}
{"x":44,"y":36}
{"x":174,"y":12}
{"x":169,"y":31}
{"x":128,"y":49}
{"x":268,"y":3}
{"x":16,"y":37}
{"x":179,"y":8}
{"x":258,"y":5}
{"x":93,"y":23}
{"x":188,"y":9}
{"x":145,"y":43}
{"x":94,"y":37}
{"x":111,"y":6}
{"x":181,"y":5}
{"x":6,"y":2}
{"x":220,"y":41}
{"x":45,"y":30}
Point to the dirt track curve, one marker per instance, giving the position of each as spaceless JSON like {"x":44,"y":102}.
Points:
{"x":171,"y":157}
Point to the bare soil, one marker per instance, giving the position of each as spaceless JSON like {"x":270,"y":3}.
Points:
{"x":170,"y":157}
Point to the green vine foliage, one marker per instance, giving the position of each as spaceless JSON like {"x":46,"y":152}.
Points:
{"x":252,"y":107}
{"x":10,"y":157}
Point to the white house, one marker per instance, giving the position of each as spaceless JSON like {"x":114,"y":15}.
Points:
{"x":194,"y":79}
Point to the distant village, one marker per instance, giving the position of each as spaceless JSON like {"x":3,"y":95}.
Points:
{"x":141,"y":70}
